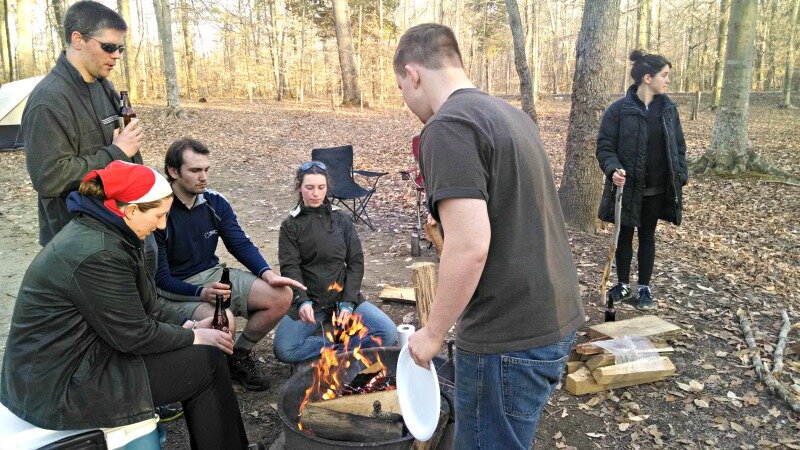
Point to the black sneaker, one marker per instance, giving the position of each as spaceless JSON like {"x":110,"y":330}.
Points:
{"x":243,"y":370}
{"x":645,"y":301}
{"x":170,"y":412}
{"x":621,"y":293}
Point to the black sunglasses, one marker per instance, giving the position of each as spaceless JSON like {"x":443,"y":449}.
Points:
{"x":108,"y":48}
{"x":308,"y":165}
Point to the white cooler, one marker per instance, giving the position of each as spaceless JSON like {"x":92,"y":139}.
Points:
{"x":20,"y":435}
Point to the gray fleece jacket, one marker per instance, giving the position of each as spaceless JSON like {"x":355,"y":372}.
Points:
{"x":65,"y":139}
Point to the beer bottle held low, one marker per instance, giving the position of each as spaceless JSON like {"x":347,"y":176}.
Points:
{"x":226,"y":279}
{"x":220,"y":321}
{"x":126,"y":112}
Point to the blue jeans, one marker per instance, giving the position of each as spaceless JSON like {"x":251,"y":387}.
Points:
{"x":297,"y":341}
{"x":499,"y":397}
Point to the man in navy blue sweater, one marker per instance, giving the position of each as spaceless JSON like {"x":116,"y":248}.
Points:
{"x":189,"y":271}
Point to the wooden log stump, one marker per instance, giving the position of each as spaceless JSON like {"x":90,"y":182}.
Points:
{"x":434,"y":233}
{"x":424,"y":277}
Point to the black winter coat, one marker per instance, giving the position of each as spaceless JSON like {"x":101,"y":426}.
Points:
{"x":319,"y":246}
{"x":83,"y":317}
{"x":622,"y":144}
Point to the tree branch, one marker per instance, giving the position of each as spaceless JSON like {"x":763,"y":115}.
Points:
{"x":774,"y":385}
{"x":777,"y":361}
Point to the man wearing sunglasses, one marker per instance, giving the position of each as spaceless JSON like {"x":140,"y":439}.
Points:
{"x":70,"y":124}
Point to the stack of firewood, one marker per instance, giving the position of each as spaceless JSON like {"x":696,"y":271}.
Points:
{"x":604,"y":363}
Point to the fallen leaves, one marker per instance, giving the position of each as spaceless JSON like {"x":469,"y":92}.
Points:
{"x":692,"y":386}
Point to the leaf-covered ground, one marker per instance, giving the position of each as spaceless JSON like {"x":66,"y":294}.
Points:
{"x":739,"y":247}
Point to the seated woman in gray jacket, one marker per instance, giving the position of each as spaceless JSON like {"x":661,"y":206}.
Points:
{"x":319,"y":247}
{"x":85,"y":350}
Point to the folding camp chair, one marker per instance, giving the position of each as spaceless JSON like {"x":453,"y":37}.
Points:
{"x":344,"y":188}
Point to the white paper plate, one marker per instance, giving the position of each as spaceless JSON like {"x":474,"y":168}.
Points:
{"x":418,"y":393}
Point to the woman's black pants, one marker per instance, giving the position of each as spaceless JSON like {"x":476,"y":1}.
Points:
{"x":651,"y":209}
{"x":197,"y":376}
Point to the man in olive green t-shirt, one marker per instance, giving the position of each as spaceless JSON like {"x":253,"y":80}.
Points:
{"x":506,"y":272}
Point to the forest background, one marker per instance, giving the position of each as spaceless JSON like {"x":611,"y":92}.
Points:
{"x":287,"y":49}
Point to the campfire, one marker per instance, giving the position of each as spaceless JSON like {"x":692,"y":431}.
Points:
{"x":346,"y":399}
{"x":330,"y":372}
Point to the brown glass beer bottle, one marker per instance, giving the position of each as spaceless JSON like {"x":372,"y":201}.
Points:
{"x":126,"y":111}
{"x":226,"y":279}
{"x":220,"y":321}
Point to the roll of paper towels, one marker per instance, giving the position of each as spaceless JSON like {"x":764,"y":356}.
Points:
{"x":404,"y":331}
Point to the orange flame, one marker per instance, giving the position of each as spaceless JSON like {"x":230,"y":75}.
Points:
{"x":329,"y":370}
{"x":335,"y":286}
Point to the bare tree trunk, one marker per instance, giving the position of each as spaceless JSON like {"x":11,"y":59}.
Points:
{"x":532,"y":46}
{"x":164,"y":20}
{"x":761,"y":49}
{"x":787,"y":79}
{"x":592,"y":83}
{"x":381,"y":97}
{"x":5,"y":44}
{"x":523,"y":71}
{"x":643,"y":25}
{"x":277,"y":38}
{"x":722,"y":41}
{"x":729,"y":150}
{"x":624,"y":84}
{"x":769,"y":66}
{"x":58,"y":17}
{"x":188,"y":47}
{"x":301,"y":78}
{"x":351,"y":94}
{"x":144,"y":57}
{"x":123,"y":6}
{"x":24,"y":55}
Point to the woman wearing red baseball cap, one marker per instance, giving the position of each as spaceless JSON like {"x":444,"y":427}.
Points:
{"x":85,"y":349}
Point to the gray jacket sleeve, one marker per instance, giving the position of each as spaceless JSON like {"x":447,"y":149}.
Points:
{"x":53,"y":151}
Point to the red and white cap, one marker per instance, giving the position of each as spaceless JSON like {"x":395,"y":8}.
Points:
{"x":130,"y":183}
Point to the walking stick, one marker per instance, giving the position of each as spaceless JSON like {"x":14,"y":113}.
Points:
{"x":610,"y":313}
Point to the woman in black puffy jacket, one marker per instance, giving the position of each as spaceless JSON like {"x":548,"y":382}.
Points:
{"x":319,"y":247}
{"x":641,"y":146}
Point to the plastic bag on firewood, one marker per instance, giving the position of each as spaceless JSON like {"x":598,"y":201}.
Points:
{"x":628,"y":349}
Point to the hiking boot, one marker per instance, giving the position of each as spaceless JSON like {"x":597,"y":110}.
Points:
{"x":243,"y":370}
{"x":170,"y":412}
{"x":620,"y":293}
{"x":645,"y":298}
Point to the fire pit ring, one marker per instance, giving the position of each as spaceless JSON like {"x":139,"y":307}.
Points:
{"x":293,"y":391}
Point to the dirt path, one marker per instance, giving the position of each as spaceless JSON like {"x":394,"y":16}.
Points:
{"x":739,"y":246}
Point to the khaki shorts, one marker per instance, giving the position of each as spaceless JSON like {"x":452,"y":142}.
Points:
{"x":175,"y":308}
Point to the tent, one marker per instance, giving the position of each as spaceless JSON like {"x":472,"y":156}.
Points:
{"x":13,"y":97}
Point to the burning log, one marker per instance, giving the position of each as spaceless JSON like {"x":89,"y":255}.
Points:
{"x":341,"y":426}
{"x":362,"y":405}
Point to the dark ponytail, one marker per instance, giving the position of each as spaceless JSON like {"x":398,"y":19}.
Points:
{"x":646,"y":64}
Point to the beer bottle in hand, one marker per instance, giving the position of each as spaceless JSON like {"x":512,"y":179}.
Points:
{"x":126,"y":111}
{"x":220,"y":321}
{"x":226,"y":279}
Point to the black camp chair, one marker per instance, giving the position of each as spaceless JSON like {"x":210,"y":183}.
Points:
{"x":344,"y":188}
